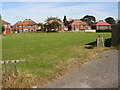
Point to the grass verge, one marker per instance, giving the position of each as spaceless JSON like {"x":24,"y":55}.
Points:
{"x":48,"y":55}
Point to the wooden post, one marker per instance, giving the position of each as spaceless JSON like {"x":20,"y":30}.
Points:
{"x":11,"y":68}
{"x":16,"y":70}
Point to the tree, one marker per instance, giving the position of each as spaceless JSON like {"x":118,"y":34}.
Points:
{"x":42,"y":26}
{"x":3,"y":29}
{"x":88,"y":19}
{"x":110,"y":20}
{"x":52,"y":18}
{"x":0,"y":23}
{"x":65,"y":21}
{"x":54,"y":25}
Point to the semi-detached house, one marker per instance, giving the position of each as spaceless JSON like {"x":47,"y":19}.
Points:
{"x":27,"y":25}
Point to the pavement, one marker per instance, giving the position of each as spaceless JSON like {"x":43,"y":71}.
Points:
{"x":100,"y":72}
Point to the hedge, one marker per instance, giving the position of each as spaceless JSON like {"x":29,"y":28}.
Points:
{"x":104,"y":30}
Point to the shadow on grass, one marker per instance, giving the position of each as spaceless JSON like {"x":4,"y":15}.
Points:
{"x":91,"y":45}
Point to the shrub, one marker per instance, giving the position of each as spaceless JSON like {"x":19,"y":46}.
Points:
{"x":104,"y":30}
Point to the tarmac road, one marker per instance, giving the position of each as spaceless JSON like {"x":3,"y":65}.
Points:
{"x":100,"y":72}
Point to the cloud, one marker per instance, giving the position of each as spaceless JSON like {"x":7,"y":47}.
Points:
{"x":40,"y":11}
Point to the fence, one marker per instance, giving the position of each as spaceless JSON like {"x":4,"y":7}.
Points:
{"x":10,"y":67}
{"x":115,"y":35}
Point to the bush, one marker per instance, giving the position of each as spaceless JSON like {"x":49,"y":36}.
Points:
{"x":104,"y":30}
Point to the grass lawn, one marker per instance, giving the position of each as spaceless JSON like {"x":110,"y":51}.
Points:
{"x":46,"y":54}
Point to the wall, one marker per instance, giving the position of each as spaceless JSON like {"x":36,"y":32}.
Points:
{"x":90,"y":30}
{"x":116,"y":35}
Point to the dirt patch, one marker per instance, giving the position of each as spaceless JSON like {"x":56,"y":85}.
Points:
{"x":2,"y":36}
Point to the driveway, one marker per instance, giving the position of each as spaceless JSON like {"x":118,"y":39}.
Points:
{"x":100,"y":72}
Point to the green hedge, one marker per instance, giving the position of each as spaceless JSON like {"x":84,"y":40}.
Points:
{"x":104,"y":30}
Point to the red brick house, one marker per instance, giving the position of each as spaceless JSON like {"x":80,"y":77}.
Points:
{"x":101,"y":25}
{"x":7,"y":26}
{"x":27,"y":25}
{"x":78,"y":25}
{"x":61,"y":27}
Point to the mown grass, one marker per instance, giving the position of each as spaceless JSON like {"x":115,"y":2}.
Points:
{"x":47,"y":54}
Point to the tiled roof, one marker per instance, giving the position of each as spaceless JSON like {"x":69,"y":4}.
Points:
{"x":28,"y":22}
{"x":18,"y":23}
{"x":101,"y":23}
{"x":77,"y":22}
{"x":25,"y":22}
{"x":49,"y":22}
{"x":4,"y":22}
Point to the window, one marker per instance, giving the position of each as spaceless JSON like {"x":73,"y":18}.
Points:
{"x":5,"y":25}
{"x":81,"y":25}
{"x":24,"y":25}
{"x":77,"y":25}
{"x":25,"y":30}
{"x":31,"y":30}
{"x":31,"y":25}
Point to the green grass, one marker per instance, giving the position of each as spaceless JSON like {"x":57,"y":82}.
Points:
{"x":44,"y":51}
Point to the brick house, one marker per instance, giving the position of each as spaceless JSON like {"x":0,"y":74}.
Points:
{"x":101,"y":25}
{"x":78,"y":25}
{"x":27,"y":25}
{"x":61,"y":27}
{"x":7,"y":26}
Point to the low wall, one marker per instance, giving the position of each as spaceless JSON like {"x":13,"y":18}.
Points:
{"x":90,"y":30}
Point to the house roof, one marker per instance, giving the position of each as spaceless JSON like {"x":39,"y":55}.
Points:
{"x":77,"y":22}
{"x":25,"y":22}
{"x":101,"y":23}
{"x":4,"y":22}
{"x":49,"y":22}
{"x":18,"y":23}
{"x":28,"y":22}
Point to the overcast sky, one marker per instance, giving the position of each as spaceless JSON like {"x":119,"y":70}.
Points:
{"x":39,"y":11}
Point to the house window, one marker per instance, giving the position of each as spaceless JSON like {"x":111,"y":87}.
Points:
{"x":17,"y":26}
{"x":31,"y":25}
{"x":24,"y":25}
{"x":31,"y":30}
{"x":104,"y":26}
{"x":5,"y":25}
{"x":25,"y":30}
{"x":77,"y":25}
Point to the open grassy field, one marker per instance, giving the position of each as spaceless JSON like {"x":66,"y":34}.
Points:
{"x":46,"y":54}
